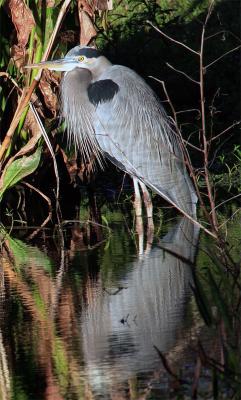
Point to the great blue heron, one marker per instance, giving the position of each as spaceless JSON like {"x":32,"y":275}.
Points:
{"x":111,"y":111}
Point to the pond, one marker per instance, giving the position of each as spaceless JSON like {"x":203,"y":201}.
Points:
{"x":113,"y":319}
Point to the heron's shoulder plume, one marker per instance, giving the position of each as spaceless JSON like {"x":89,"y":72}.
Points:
{"x":150,"y":121}
{"x":78,"y":113}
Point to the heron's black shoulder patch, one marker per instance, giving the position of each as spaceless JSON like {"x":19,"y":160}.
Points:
{"x":102,"y":91}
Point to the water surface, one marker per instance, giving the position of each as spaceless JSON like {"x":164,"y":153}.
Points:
{"x":91,"y":321}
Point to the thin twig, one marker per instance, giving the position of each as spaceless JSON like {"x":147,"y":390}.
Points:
{"x":122,"y":187}
{"x":88,"y":221}
{"x":213,"y":111}
{"x":190,"y":110}
{"x":226,"y":130}
{"x":203,"y":117}
{"x":186,"y":142}
{"x":58,"y":23}
{"x":167,"y":96}
{"x":226,"y":201}
{"x":182,"y":73}
{"x":25,"y":97}
{"x":220,"y":32}
{"x":196,"y":378}
{"x":46,"y":198}
{"x":192,"y":145}
{"x":46,"y":138}
{"x":173,"y":40}
{"x":185,"y":152}
{"x":59,"y":279}
{"x":8,"y":76}
{"x":217,"y":150}
{"x":225,"y":54}
{"x":167,"y":366}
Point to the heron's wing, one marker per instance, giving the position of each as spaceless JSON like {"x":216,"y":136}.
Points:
{"x":133,"y":129}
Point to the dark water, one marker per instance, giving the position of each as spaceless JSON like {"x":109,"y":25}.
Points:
{"x":88,"y":321}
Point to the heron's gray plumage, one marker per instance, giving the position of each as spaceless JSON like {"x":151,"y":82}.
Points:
{"x":109,"y":109}
{"x":78,"y":113}
{"x":134,"y":130}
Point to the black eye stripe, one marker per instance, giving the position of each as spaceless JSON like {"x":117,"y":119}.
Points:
{"x":88,"y":52}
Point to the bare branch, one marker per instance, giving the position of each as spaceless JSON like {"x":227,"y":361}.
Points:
{"x":183,"y":143}
{"x":8,"y":76}
{"x":210,"y":10}
{"x":226,"y":201}
{"x":189,"y":110}
{"x":225,"y":222}
{"x":48,"y":143}
{"x":217,"y":150}
{"x":46,"y":198}
{"x":225,"y":54}
{"x":192,"y":146}
{"x":226,"y":130}
{"x":182,"y":73}
{"x":173,"y":40}
{"x":215,"y":34}
{"x":203,"y":118}
{"x":167,"y":96}
{"x":220,"y":32}
{"x":61,"y":15}
{"x":174,"y":112}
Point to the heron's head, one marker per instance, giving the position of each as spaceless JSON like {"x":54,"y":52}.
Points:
{"x":79,"y":57}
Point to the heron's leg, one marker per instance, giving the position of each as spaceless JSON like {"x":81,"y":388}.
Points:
{"x":147,"y":200}
{"x":149,"y":236}
{"x":140,"y":233}
{"x":138,"y":212}
{"x":137,"y":202}
{"x":149,"y":212}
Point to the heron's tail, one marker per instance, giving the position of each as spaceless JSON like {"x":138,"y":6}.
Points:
{"x":184,"y":201}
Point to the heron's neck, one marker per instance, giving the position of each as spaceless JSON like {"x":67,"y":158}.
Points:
{"x":74,"y":85}
{"x":101,"y":65}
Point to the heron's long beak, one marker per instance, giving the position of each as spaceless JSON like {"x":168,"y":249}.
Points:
{"x":63,"y":64}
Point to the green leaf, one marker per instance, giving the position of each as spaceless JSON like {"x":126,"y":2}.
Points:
{"x":24,"y":255}
{"x":18,"y":169}
{"x":60,"y":363}
{"x":104,"y":219}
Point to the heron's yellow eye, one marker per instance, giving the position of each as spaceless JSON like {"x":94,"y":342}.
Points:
{"x":81,"y":58}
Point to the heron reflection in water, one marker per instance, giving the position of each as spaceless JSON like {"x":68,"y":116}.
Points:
{"x":110,"y":111}
{"x":119,"y":328}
